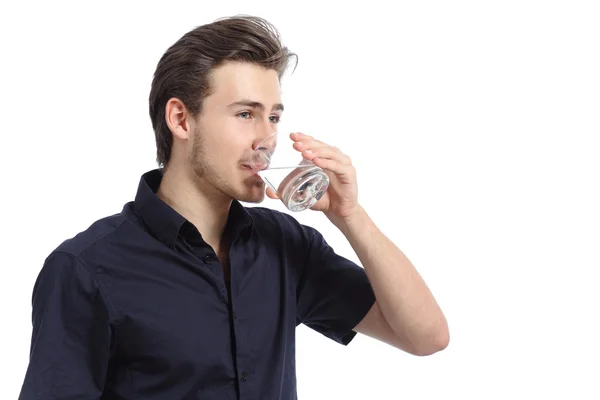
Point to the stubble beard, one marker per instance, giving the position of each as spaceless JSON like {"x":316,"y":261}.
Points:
{"x":253,"y":190}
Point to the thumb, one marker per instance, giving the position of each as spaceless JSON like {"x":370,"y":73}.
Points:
{"x":271,"y":194}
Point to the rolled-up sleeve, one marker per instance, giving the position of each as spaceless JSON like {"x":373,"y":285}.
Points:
{"x":333,"y":293}
{"x":71,"y":338}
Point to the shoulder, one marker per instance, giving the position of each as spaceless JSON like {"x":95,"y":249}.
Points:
{"x":274,"y":221}
{"x":263,"y":216}
{"x":96,"y":238}
{"x":70,"y":268}
{"x":279,"y":226}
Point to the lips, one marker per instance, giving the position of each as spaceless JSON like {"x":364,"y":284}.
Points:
{"x":248,"y":168}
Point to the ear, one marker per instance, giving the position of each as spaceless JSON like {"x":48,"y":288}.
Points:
{"x":178,"y":119}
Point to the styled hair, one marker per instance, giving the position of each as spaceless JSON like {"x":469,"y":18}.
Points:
{"x":185,"y":68}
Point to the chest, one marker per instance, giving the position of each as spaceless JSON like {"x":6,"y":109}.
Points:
{"x":193,"y":312}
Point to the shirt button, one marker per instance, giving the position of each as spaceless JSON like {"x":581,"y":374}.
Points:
{"x":207,"y":259}
{"x":244,"y":377}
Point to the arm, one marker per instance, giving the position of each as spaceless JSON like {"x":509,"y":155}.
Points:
{"x":405,"y":314}
{"x":71,"y":338}
{"x":332,"y":293}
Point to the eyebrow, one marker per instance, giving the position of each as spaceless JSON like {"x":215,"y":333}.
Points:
{"x":255,"y":104}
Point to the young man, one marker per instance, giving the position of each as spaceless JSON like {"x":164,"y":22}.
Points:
{"x":187,"y":294}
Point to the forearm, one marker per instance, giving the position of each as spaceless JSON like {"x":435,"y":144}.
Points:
{"x":402,"y":295}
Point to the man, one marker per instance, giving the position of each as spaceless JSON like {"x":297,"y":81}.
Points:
{"x":187,"y":294}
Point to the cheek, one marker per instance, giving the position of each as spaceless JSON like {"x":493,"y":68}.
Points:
{"x":226,"y":157}
{"x":231,"y":142}
{"x":235,"y":147}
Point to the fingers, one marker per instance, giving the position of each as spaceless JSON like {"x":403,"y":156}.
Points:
{"x":325,"y":156}
{"x":312,"y":149}
{"x":306,"y":140}
{"x":341,"y":170}
{"x":329,"y":153}
{"x":271,"y":194}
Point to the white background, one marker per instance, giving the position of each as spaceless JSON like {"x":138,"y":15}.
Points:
{"x":473,"y":125}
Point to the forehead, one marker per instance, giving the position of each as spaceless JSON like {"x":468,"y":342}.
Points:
{"x":234,"y":81}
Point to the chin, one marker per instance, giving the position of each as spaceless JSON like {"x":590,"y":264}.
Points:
{"x":251,"y":192}
{"x":251,"y":198}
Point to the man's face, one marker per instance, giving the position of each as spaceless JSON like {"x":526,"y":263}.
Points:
{"x":232,"y":122}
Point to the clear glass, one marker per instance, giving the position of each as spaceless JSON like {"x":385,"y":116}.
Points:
{"x":298,"y":182}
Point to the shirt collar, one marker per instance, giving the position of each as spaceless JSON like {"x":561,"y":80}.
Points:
{"x":164,"y":222}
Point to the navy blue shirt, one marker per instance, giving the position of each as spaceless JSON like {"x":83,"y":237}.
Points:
{"x":137,"y":306}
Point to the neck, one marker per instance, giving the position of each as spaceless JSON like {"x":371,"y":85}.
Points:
{"x":198,"y":201}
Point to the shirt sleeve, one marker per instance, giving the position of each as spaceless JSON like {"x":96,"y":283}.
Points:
{"x":333,"y":293}
{"x":71,"y":338}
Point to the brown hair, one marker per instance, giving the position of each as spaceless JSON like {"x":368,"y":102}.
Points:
{"x":184,"y":69}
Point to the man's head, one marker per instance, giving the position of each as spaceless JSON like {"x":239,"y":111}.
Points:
{"x":215,"y":95}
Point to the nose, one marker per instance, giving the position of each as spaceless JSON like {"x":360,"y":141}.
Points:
{"x":264,"y":136}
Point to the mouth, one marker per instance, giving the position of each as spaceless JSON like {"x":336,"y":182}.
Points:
{"x":249,"y":169}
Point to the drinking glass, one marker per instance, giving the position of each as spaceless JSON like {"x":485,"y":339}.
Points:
{"x":298,"y":182}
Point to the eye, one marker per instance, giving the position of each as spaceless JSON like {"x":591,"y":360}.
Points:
{"x":275,"y":119}
{"x":244,"y":114}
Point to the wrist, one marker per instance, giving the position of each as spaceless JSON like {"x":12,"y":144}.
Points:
{"x":355,"y":220}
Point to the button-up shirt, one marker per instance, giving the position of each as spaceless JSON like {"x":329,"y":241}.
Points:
{"x":137,"y":306}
